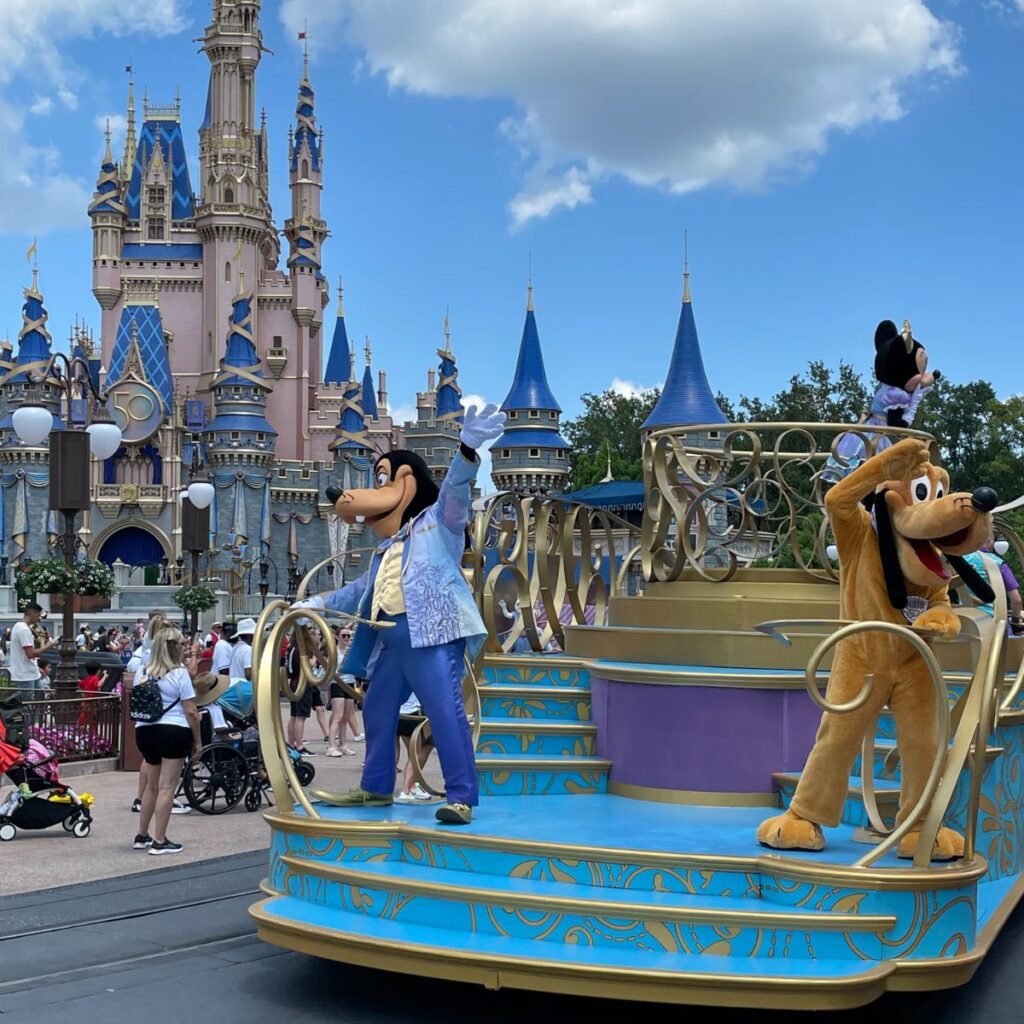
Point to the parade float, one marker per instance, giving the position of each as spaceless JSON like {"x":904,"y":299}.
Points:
{"x":627,"y":760}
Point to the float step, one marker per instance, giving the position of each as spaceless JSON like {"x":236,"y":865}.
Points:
{"x":887,"y":796}
{"x":528,"y":775}
{"x":563,"y":704}
{"x":534,"y":737}
{"x":620,"y":972}
{"x":651,"y":920}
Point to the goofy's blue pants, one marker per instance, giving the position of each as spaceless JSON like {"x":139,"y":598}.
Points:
{"x":434,"y":674}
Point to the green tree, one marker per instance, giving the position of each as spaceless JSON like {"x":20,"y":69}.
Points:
{"x":817,"y":396}
{"x":610,"y":422}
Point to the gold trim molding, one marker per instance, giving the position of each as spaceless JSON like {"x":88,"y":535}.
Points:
{"x":693,"y":797}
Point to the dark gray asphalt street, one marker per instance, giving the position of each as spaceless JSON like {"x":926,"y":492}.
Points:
{"x":159,"y":963}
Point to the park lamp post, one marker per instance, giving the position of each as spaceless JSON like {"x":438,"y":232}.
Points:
{"x":195,"y":519}
{"x":89,"y":429}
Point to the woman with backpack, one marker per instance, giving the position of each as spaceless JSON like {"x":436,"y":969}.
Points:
{"x":166,"y":732}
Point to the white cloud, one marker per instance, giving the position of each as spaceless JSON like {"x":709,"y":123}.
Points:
{"x":36,"y":195}
{"x":402,"y":414}
{"x":628,"y":388}
{"x":665,"y":93}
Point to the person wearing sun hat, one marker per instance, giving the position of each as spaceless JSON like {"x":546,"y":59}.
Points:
{"x":240,"y":666}
{"x":209,"y":689}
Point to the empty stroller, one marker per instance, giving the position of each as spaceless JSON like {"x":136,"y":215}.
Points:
{"x":40,"y":800}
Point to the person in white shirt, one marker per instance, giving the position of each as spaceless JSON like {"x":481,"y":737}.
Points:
{"x":165,"y":743}
{"x":240,"y":666}
{"x":221,"y":662}
{"x":24,"y":670}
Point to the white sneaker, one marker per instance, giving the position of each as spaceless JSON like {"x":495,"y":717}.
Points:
{"x":405,"y":798}
{"x":177,"y":808}
{"x":333,"y":752}
{"x":419,"y":793}
{"x":360,"y":738}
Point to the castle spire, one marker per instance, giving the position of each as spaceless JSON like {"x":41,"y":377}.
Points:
{"x":687,"y":396}
{"x":129,"y":132}
{"x":529,"y":284}
{"x":338,"y":369}
{"x":369,"y":397}
{"x":449,"y":394}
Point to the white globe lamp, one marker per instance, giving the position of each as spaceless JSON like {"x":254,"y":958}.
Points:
{"x":200,"y":493}
{"x":104,"y":438}
{"x":32,"y":423}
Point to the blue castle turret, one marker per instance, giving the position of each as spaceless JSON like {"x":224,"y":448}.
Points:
{"x":24,"y":471}
{"x":531,"y":456}
{"x":439,"y":413}
{"x":239,"y":432}
{"x":369,"y":396}
{"x":339,"y":359}
{"x":687,"y":396}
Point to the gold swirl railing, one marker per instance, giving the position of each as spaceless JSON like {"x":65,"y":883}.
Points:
{"x":548,"y":559}
{"x":721,"y":497}
{"x":966,"y":728}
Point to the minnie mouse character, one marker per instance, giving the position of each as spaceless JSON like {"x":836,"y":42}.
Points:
{"x":901,"y":367}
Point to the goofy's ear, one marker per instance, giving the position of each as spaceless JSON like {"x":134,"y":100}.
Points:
{"x":973,"y":580}
{"x":895,"y":584}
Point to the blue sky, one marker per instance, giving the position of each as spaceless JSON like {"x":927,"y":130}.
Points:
{"x":829,"y":174}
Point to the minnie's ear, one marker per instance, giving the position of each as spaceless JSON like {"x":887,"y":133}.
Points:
{"x":884,"y":332}
{"x":895,"y":584}
{"x":973,"y":580}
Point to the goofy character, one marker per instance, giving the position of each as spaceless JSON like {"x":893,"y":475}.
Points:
{"x":414,"y":590}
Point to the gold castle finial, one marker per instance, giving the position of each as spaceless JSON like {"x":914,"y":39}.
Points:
{"x":341,"y":296}
{"x":529,"y":282}
{"x":32,"y":255}
{"x":368,"y":349}
{"x":447,"y":331}
{"x":686,"y":266}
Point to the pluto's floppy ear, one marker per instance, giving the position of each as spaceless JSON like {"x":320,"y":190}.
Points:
{"x":972,"y":579}
{"x":884,"y":332}
{"x":895,"y":584}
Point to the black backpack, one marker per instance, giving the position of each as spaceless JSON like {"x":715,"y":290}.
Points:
{"x":146,"y":702}
{"x":12,"y":713}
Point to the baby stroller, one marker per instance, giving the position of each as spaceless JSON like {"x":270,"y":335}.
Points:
{"x":41,"y":800}
{"x":230,"y":769}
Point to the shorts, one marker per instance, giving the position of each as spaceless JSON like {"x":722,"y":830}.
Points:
{"x":337,"y":693}
{"x":408,"y":724}
{"x":312,"y":698}
{"x":158,"y":742}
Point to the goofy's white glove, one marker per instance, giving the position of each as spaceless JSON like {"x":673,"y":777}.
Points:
{"x":316,"y":603}
{"x":482,"y":426}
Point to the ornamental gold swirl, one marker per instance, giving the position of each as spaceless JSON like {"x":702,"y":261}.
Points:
{"x":754,"y":493}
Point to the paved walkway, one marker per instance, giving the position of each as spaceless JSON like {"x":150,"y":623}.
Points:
{"x":178,"y":946}
{"x":40,"y":860}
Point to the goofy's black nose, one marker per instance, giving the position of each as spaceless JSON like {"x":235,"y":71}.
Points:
{"x":334,"y":493}
{"x":984,"y":499}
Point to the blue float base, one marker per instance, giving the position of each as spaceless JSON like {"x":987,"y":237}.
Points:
{"x":605,"y":895}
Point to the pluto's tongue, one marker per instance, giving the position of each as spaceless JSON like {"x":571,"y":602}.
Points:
{"x":930,"y":558}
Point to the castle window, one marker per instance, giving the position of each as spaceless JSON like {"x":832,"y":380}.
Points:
{"x":237,"y":392}
{"x":261,"y":437}
{"x":227,"y":270}
{"x":157,"y":196}
{"x":506,"y":453}
{"x":534,"y":453}
{"x":277,"y":341}
{"x":235,"y":435}
{"x":553,"y":415}
{"x":513,"y":415}
{"x":305,"y":169}
{"x":229,"y":194}
{"x":560,"y":454}
{"x":535,"y":414}
{"x":714,"y":435}
{"x":155,"y":229}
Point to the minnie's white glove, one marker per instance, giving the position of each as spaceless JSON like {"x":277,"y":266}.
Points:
{"x":482,"y":426}
{"x":316,"y":603}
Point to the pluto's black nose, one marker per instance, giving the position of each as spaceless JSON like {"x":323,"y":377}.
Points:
{"x":984,"y":499}
{"x":334,"y":493}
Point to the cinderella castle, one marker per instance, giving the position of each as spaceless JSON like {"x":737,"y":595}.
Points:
{"x":212,"y":352}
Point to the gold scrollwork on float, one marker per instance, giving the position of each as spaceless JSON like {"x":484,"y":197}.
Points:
{"x":712,"y":508}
